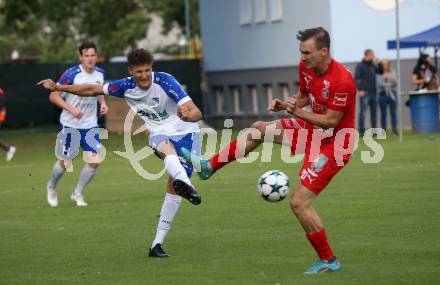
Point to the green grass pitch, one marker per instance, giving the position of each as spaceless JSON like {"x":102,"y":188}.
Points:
{"x":383,"y":222}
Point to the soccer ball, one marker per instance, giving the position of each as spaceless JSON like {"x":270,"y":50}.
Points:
{"x":273,"y":186}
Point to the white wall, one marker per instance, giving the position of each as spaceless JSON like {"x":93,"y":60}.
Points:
{"x":355,"y":27}
{"x":227,"y":45}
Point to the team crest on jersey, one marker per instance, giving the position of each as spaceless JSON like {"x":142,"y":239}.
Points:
{"x":155,"y":100}
{"x":325,"y":90}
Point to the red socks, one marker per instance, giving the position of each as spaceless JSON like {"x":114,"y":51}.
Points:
{"x":320,"y":244}
{"x":225,"y":156}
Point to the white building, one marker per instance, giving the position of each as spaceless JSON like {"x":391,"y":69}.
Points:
{"x":251,"y":52}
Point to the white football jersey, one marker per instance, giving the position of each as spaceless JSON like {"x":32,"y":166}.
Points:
{"x":87,"y":105}
{"x":157,"y":105}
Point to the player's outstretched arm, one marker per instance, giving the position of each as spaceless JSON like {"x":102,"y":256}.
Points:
{"x":77,"y":89}
{"x":189,"y":112}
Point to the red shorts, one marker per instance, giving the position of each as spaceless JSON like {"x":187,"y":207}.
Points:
{"x":320,"y":165}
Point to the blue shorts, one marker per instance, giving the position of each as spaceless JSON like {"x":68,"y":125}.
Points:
{"x":189,"y":141}
{"x":72,"y":139}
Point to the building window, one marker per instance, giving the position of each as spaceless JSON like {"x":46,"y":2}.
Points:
{"x":269,"y":94}
{"x":260,"y":11}
{"x":275,"y":10}
{"x":236,"y":99}
{"x":245,"y":12}
{"x":219,"y":99}
{"x":254,"y":97}
{"x":285,"y":92}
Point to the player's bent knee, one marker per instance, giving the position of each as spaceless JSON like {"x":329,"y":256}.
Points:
{"x":166,"y":148}
{"x":91,"y":158}
{"x":297,"y":205}
{"x":93,"y":165}
{"x":65,"y":163}
{"x":259,"y":125}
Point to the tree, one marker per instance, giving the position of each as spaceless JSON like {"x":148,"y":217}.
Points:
{"x":58,"y":27}
{"x":52,"y":29}
{"x":18,"y":24}
{"x":173,"y":11}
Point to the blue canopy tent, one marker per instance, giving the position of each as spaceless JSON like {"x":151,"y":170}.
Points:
{"x":428,"y":38}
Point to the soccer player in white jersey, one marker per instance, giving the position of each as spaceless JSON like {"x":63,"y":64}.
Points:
{"x":169,"y":114}
{"x":80,"y":114}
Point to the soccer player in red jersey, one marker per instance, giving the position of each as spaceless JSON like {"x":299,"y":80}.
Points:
{"x":329,"y":89}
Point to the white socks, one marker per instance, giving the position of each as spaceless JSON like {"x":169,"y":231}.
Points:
{"x":171,"y":202}
{"x":169,"y":209}
{"x":86,"y":175}
{"x":175,"y":168}
{"x":57,"y":173}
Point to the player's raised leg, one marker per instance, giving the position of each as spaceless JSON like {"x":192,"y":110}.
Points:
{"x":181,"y":182}
{"x":301,"y":205}
{"x":236,"y":149}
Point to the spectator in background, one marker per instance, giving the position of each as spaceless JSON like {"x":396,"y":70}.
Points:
{"x":365,"y":77}
{"x":10,"y":150}
{"x":386,"y":84}
{"x":424,"y":74}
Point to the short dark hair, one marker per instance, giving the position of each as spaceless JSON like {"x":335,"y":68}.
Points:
{"x":139,"y":56}
{"x":87,"y":45}
{"x":367,"y":51}
{"x":423,"y":59}
{"x":319,"y":34}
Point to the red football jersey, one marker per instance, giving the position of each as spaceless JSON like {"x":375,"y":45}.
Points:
{"x":334,"y":90}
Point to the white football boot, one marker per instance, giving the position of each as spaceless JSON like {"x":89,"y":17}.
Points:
{"x":78,"y":199}
{"x":52,"y":197}
{"x":10,"y":153}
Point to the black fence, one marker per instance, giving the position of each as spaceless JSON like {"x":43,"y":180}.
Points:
{"x":29,"y":106}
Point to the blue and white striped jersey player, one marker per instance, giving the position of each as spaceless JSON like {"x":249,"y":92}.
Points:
{"x":169,"y":114}
{"x":79,"y":115}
